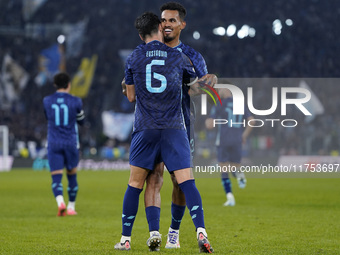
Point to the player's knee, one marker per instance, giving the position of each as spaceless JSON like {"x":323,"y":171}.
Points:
{"x":176,"y":187}
{"x":155,"y":182}
{"x":159,"y":183}
{"x":57,"y":172}
{"x":72,"y":171}
{"x":136,"y":184}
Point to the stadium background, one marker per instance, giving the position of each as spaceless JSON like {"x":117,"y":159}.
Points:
{"x":272,"y":215}
{"x":292,"y":39}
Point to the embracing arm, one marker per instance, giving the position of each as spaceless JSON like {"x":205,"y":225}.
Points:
{"x":123,"y":87}
{"x":208,"y":79}
{"x":131,"y":93}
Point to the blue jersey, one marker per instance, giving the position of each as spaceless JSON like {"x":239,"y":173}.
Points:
{"x":230,"y":133}
{"x":157,"y":71}
{"x":201,"y":69}
{"x":196,"y":59}
{"x":62,"y":112}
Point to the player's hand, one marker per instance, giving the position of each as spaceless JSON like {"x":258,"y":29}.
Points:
{"x":124,"y":87}
{"x":209,"y":79}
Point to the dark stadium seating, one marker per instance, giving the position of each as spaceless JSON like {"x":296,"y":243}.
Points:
{"x":309,"y":48}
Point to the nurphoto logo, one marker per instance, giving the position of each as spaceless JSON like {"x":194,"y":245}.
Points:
{"x":303,"y":96}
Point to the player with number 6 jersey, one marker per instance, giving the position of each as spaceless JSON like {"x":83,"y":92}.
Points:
{"x":153,"y":75}
{"x":155,"y":68}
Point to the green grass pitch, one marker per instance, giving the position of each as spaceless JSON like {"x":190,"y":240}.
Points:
{"x":272,"y":216}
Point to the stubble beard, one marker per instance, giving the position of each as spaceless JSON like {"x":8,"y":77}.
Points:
{"x":168,"y":39}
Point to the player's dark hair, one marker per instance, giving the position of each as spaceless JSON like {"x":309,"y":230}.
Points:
{"x":61,"y":80}
{"x":174,"y":6}
{"x":147,"y":24}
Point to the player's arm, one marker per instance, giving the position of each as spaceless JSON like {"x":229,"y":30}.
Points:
{"x":208,"y":79}
{"x":190,"y":77}
{"x":81,"y":117}
{"x":189,"y":74}
{"x":201,"y":71}
{"x":128,"y":82}
{"x":124,"y":87}
{"x":80,"y":113}
{"x":131,"y":92}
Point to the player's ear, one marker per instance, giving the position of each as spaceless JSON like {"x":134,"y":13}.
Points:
{"x":183,"y":24}
{"x":141,"y":37}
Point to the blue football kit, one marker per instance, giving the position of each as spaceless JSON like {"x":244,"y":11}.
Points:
{"x":229,"y":136}
{"x":159,"y":133}
{"x":157,"y":72}
{"x":62,"y":112}
{"x":188,"y":105}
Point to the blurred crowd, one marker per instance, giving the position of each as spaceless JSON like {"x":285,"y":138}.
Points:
{"x":308,"y":48}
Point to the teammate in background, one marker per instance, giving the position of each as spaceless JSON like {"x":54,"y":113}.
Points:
{"x":229,"y":140}
{"x":63,"y":111}
{"x":153,"y":77}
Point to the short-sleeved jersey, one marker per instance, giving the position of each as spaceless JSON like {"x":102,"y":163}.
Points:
{"x":201,"y":69}
{"x":196,"y":59}
{"x":157,"y":72}
{"x":62,"y":111}
{"x":230,"y":133}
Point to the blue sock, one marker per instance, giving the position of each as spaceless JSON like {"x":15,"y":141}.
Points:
{"x":57,"y":186}
{"x":153,"y":215}
{"x":226,"y":183}
{"x":194,"y":202}
{"x":72,"y":188}
{"x":130,"y":209}
{"x":177,"y":212}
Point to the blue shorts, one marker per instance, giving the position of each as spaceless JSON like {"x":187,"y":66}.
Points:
{"x":152,"y":146}
{"x":229,"y":153}
{"x":61,"y":155}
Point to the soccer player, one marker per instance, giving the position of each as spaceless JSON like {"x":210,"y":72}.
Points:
{"x":173,"y":15}
{"x":229,"y":140}
{"x":63,"y":111}
{"x":153,"y":77}
{"x":173,"y":22}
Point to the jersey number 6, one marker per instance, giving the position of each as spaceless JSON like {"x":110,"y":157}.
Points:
{"x":157,"y":76}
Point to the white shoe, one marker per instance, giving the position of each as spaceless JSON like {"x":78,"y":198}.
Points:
{"x":123,"y":246}
{"x":154,"y":241}
{"x":172,"y":241}
{"x":230,"y":200}
{"x":70,"y":211}
{"x":241,"y":180}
